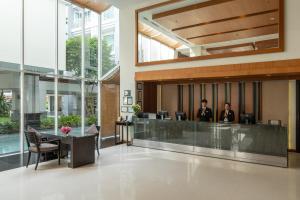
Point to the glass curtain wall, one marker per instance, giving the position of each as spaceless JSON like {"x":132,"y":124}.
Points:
{"x":10,"y":55}
{"x":56,"y":82}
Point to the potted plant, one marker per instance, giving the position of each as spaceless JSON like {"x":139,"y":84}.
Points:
{"x":136,"y":109}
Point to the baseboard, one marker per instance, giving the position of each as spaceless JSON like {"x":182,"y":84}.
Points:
{"x":292,"y":150}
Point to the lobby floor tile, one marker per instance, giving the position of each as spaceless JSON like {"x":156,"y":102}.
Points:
{"x":132,"y":173}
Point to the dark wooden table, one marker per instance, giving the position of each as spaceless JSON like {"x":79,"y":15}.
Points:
{"x":121,"y":125}
{"x":82,"y":148}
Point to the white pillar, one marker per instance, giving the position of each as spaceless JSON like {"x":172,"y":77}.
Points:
{"x":83,"y":72}
{"x":56,"y":70}
{"x":99,"y":66}
{"x":22,"y":81}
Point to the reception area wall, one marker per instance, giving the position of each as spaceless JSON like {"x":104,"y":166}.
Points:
{"x":291,"y":51}
{"x":272,"y":99}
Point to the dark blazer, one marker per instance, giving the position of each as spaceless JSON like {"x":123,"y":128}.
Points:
{"x":205,"y":116}
{"x":230,"y":116}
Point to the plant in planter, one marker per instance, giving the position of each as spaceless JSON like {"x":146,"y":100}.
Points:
{"x":136,"y":109}
{"x":4,"y":105}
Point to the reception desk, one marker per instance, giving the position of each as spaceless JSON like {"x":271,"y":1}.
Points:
{"x":260,"y":143}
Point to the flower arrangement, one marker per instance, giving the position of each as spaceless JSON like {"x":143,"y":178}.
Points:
{"x":66,"y":130}
{"x":136,"y":108}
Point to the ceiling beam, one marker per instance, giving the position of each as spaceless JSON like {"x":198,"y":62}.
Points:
{"x":227,"y":19}
{"x":233,"y":31}
{"x":231,"y":47}
{"x":94,"y":5}
{"x":189,"y":8}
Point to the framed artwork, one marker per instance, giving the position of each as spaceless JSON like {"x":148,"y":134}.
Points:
{"x":125,"y":102}
{"x":139,"y":86}
{"x":124,"y":109}
{"x":129,"y":100}
{"x":140,"y":95}
{"x":140,"y":103}
{"x":130,"y":109}
{"x":127,"y":92}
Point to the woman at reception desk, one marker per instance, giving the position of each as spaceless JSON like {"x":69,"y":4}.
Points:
{"x":227,"y":115}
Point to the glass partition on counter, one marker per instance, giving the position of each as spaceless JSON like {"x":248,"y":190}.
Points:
{"x":260,"y":143}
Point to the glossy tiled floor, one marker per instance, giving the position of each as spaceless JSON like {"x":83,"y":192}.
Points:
{"x":131,"y":173}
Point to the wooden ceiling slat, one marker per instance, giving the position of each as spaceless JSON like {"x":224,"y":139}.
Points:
{"x":158,"y":36}
{"x":233,"y":31}
{"x":227,"y":19}
{"x":236,"y":35}
{"x":94,"y":5}
{"x":216,"y":11}
{"x":240,"y":23}
{"x":189,"y":8}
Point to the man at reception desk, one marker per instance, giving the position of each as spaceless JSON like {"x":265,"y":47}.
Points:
{"x":204,"y":113}
{"x":227,"y":115}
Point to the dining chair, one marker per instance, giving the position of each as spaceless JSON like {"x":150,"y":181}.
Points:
{"x":36,"y":145}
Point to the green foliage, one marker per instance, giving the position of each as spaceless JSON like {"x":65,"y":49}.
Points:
{"x":136,"y":108}
{"x":73,"y":56}
{"x":47,"y":123}
{"x":91,"y":120}
{"x":71,"y":120}
{"x":7,"y":127}
{"x":4,"y":106}
{"x":107,"y":62}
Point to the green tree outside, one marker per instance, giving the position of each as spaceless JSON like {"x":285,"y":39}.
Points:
{"x":73,"y":56}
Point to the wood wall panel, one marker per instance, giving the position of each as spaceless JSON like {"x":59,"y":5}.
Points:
{"x":249,"y":97}
{"x":150,"y":98}
{"x":260,"y":70}
{"x":196,"y":100}
{"x":209,"y":95}
{"x":275,"y":101}
{"x":186,"y":99}
{"x":110,"y":108}
{"x":169,"y":99}
{"x":235,"y":99}
{"x":221,"y":98}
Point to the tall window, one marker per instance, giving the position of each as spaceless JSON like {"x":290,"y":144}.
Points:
{"x":153,"y":50}
{"x":76,"y":75}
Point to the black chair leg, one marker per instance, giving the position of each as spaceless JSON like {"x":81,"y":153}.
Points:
{"x":97,"y":146}
{"x":28,"y":160}
{"x":37,"y":161}
{"x":58,"y":153}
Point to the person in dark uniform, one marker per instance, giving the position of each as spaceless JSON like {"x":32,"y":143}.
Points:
{"x":204,"y":113}
{"x":227,"y":115}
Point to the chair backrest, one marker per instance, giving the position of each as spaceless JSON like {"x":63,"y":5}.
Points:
{"x":32,"y":139}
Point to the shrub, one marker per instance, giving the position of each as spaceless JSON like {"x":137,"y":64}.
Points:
{"x":91,"y":120}
{"x":71,"y":120}
{"x":8,"y":127}
{"x":47,"y":123}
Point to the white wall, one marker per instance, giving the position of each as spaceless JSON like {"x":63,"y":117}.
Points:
{"x":10,"y":31}
{"x":127,"y":48}
{"x":39,"y":32}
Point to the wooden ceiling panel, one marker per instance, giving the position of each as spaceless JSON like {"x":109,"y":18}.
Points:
{"x":94,"y":5}
{"x":156,"y":35}
{"x":267,"y":30}
{"x":230,"y":25}
{"x":267,"y":44}
{"x":195,"y":14}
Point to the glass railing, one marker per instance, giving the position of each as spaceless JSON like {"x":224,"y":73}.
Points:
{"x":259,"y":143}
